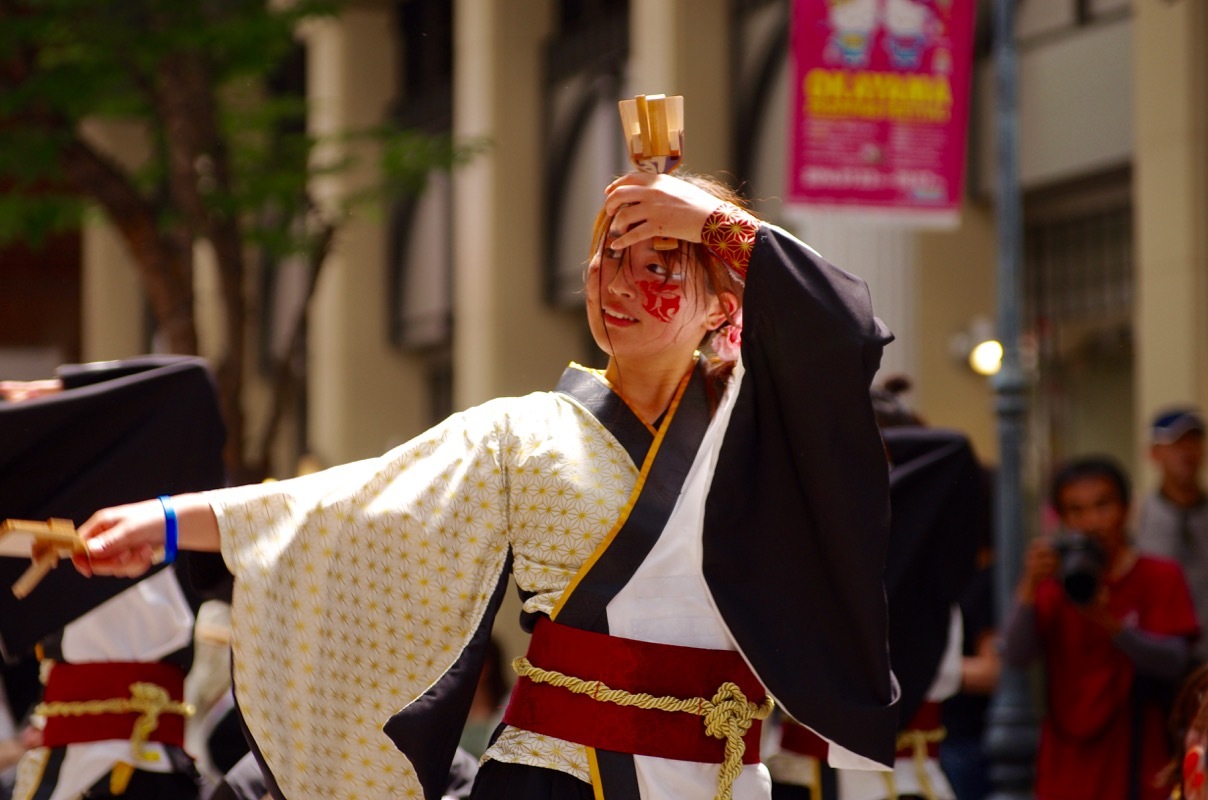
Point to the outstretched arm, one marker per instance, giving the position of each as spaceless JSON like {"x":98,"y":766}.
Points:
{"x":122,"y":540}
{"x":16,"y":391}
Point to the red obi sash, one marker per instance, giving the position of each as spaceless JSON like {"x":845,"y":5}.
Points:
{"x":91,"y":684}
{"x":802,"y":741}
{"x":637,"y":667}
{"x":924,"y":729}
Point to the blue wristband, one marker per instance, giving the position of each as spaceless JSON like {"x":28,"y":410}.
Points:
{"x":171,"y":529}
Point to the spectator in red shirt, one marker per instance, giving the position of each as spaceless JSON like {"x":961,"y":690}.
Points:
{"x":1114,"y":629}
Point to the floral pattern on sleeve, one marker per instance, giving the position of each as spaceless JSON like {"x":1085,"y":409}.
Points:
{"x":729,"y":233}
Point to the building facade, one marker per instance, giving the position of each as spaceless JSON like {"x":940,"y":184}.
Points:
{"x":471,"y":291}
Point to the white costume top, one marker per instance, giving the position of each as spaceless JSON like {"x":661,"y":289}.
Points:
{"x":146,"y":622}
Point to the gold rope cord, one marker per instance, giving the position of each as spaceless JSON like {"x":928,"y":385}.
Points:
{"x":729,"y":715}
{"x":917,"y":741}
{"x":147,"y":699}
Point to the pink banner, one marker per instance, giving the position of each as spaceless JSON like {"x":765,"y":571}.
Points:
{"x":880,"y":105}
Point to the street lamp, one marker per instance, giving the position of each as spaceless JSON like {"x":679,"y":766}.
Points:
{"x":986,"y":357}
{"x":1011,"y":725}
{"x":976,"y":347}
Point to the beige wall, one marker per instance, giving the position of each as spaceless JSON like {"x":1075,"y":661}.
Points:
{"x":679,"y":47}
{"x":1171,"y":207}
{"x":115,"y":315}
{"x":365,"y":396}
{"x":112,"y":297}
{"x":1075,"y":106}
{"x":506,"y":341}
{"x":956,"y":275}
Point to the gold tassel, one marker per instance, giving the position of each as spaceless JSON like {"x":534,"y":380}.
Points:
{"x":119,"y":779}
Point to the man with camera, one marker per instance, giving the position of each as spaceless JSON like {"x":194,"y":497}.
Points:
{"x":1114,"y":629}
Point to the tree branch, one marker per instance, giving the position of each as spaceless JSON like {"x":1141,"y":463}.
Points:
{"x":197,"y":167}
{"x":166,"y":269}
{"x":284,"y":374}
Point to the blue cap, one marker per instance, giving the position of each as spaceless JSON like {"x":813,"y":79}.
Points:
{"x":1171,"y":425}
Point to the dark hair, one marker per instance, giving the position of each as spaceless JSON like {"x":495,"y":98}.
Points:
{"x":889,"y":407}
{"x":1190,"y":711}
{"x":1080,"y":469}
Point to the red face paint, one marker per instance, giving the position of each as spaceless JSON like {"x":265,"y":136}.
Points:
{"x":661,"y":299}
{"x":1193,"y":768}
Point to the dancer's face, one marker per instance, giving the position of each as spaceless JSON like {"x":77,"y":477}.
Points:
{"x":648,"y":304}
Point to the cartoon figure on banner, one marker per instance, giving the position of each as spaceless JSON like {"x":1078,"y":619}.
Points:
{"x":910,"y":28}
{"x":854,"y":24}
{"x":906,"y":32}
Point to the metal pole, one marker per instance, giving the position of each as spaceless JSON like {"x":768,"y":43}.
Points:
{"x":1011,"y":726}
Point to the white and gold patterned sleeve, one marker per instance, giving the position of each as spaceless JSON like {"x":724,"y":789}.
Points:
{"x":356,"y":589}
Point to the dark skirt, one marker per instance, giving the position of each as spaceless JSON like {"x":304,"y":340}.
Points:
{"x":151,"y":786}
{"x":244,"y":781}
{"x":498,"y":780}
{"x":830,"y":790}
{"x":183,"y":784}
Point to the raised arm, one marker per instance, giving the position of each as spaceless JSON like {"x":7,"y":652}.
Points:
{"x":643,"y":205}
{"x":1021,"y":640}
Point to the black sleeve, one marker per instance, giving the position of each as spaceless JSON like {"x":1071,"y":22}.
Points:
{"x":74,"y":376}
{"x":204,"y":575}
{"x":797,"y":518}
{"x":153,"y":429}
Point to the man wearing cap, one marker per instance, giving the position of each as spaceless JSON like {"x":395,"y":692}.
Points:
{"x":1174,"y":518}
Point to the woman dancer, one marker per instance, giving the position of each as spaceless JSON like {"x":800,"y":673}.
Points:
{"x":691,"y":537}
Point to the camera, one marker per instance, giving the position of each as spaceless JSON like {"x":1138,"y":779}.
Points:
{"x":1082,"y":562}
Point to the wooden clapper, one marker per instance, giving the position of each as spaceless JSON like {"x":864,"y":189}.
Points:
{"x":44,"y":543}
{"x":653,"y":126}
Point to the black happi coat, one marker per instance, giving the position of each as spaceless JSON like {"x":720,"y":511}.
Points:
{"x":124,"y":431}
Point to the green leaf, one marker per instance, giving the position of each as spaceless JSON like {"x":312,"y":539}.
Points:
{"x":30,"y":219}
